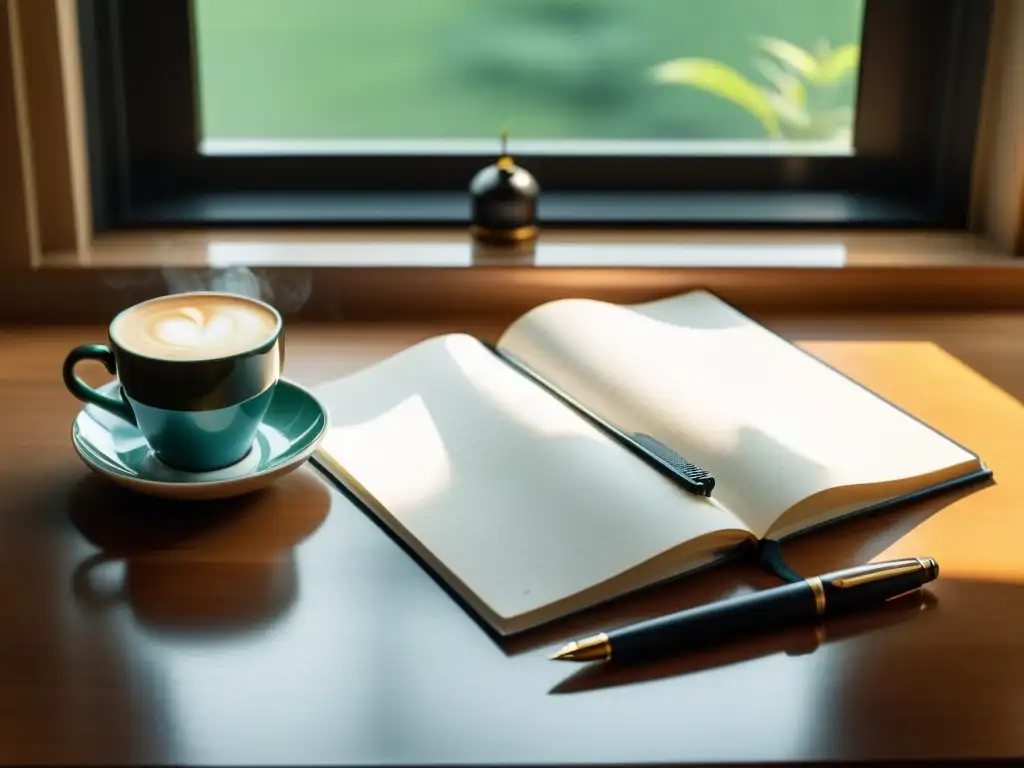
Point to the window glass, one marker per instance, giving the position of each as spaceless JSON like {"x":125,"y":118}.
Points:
{"x":682,"y":76}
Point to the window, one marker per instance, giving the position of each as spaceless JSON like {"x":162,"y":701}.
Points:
{"x":749,"y":111}
{"x":610,"y":76}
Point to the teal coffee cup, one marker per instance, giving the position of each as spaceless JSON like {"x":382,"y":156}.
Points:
{"x":196,"y":370}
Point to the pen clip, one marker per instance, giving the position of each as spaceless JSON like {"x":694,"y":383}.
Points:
{"x":877,"y":575}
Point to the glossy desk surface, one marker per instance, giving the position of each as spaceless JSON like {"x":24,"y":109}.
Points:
{"x":289,"y":628}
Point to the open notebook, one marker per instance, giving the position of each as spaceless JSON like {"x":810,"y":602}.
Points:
{"x":505,"y":468}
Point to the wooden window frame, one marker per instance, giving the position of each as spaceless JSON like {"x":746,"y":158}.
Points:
{"x":997,"y":201}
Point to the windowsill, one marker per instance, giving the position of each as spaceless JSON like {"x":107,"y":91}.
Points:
{"x":434,"y":273}
{"x":555,"y":249}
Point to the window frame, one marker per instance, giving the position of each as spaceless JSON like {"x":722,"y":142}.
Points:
{"x":922,"y":68}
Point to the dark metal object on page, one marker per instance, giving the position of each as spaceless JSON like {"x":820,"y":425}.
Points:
{"x":695,"y":479}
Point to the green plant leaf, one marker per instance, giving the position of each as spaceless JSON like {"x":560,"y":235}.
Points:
{"x":793,"y":55}
{"x":839,"y":64}
{"x":796,"y":92}
{"x":775,"y":74}
{"x":790,"y":111}
{"x":723,"y":81}
{"x":821,"y":50}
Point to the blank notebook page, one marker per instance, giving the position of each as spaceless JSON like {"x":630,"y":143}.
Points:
{"x":522,"y":500}
{"x":773,"y":424}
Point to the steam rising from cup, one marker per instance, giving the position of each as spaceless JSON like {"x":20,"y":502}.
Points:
{"x":287,"y":292}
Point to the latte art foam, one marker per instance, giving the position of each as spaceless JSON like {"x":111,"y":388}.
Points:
{"x":194,"y":327}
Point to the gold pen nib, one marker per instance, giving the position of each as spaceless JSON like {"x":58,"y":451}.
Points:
{"x":590,"y":649}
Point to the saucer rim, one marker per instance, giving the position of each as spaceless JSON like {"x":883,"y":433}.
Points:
{"x":300,"y":457}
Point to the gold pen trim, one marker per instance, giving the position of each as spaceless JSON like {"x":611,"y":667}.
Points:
{"x":931,"y":568}
{"x":819,"y":594}
{"x":878,"y":575}
{"x":596,"y":648}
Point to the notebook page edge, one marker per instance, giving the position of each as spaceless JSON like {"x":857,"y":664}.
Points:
{"x":630,"y":586}
{"x":330,"y":466}
{"x":632,"y":581}
{"x":871,"y":506}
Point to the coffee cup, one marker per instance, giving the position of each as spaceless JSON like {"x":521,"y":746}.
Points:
{"x":197,"y":372}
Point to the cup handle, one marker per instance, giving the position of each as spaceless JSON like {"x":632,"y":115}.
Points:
{"x":83,"y":588}
{"x":115,"y":405}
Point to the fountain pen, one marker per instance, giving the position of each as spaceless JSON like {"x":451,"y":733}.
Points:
{"x":808,"y":599}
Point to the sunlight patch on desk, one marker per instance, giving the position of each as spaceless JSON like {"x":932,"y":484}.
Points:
{"x":942,"y":391}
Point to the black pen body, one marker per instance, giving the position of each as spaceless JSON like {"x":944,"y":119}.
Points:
{"x":770,"y":609}
{"x":714,"y":622}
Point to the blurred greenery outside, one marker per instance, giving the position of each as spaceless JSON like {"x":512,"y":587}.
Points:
{"x":461,"y":69}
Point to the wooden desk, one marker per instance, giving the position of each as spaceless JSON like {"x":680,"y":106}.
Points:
{"x":289,"y":628}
